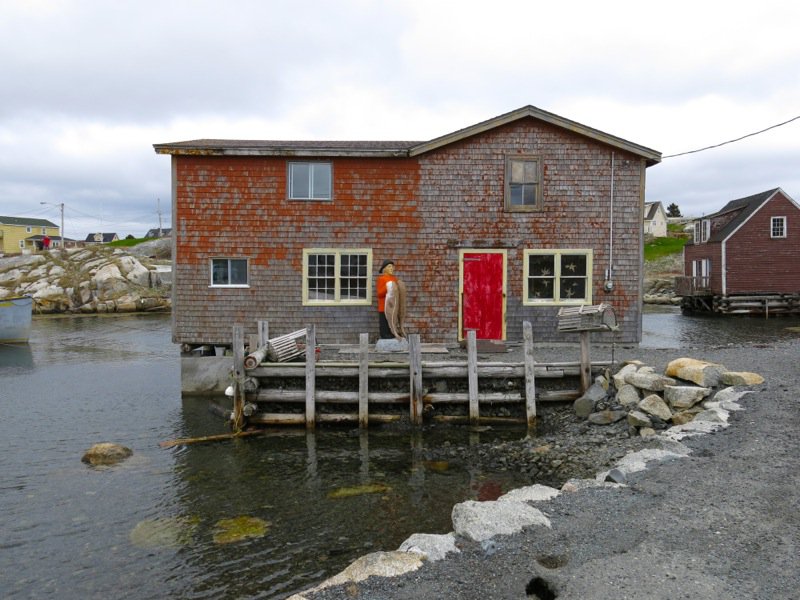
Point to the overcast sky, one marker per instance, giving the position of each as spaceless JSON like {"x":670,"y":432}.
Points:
{"x":87,"y":86}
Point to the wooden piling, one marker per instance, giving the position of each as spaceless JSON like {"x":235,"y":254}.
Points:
{"x":363,"y":381}
{"x":238,"y":378}
{"x":472,"y":376}
{"x":311,"y":363}
{"x":415,"y":378}
{"x":586,"y":364}
{"x":530,"y":373}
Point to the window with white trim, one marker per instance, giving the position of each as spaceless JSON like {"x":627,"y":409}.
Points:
{"x":777,"y":228}
{"x":702,"y":231}
{"x":557,"y":277}
{"x":335,"y":276}
{"x":28,"y":229}
{"x":310,"y":180}
{"x":22,"y":243}
{"x":229,"y":272}
{"x":523,"y":183}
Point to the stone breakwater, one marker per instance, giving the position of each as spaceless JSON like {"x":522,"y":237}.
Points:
{"x":96,"y":279}
{"x":653,"y":412}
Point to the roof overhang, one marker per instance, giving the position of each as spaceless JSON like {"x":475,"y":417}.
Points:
{"x":651,"y":156}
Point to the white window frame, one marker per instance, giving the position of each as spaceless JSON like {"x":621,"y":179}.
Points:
{"x":772,"y":222}
{"x":22,"y":244}
{"x":557,"y":300}
{"x":28,"y":229}
{"x":338,"y":300}
{"x":228,"y":285}
{"x":537,"y":183}
{"x":290,"y":191}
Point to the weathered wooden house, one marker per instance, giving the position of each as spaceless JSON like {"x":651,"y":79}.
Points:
{"x":745,"y":257}
{"x":503,"y":221}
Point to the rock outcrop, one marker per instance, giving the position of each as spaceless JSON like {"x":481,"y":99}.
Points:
{"x":95,"y":279}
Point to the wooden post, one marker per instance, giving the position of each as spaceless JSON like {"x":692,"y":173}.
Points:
{"x":311,"y":363}
{"x":472,"y":376}
{"x":530,"y":377}
{"x":238,"y":377}
{"x":415,"y":376}
{"x":363,"y":381}
{"x":263,"y":333}
{"x":586,"y":364}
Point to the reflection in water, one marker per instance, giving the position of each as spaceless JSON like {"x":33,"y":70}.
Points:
{"x":148,"y":524}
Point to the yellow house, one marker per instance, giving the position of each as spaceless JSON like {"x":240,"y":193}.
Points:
{"x":20,"y":234}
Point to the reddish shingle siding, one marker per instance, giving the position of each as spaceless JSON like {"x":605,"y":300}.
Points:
{"x":758,"y":263}
{"x":419,"y":211}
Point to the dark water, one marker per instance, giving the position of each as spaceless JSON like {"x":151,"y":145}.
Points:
{"x":146,"y":528}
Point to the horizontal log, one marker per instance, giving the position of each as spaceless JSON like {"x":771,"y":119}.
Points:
{"x":330,"y":397}
{"x":455,"y":370}
{"x":325,"y":418}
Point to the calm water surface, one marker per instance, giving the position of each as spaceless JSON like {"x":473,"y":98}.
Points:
{"x":146,"y":528}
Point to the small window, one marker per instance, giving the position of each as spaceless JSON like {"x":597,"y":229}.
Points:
{"x":334,"y":276}
{"x":523,"y":184}
{"x":778,"y":227}
{"x":558,"y":277}
{"x":310,"y":181}
{"x":702,"y":231}
{"x":44,"y":230}
{"x":28,"y":229}
{"x":229,"y":272}
{"x":22,"y":243}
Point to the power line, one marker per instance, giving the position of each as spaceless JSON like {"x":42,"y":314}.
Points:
{"x":731,"y":141}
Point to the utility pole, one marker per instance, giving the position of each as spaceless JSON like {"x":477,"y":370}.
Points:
{"x":61,"y":206}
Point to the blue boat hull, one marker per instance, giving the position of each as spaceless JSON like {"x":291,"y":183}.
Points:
{"x":15,"y":320}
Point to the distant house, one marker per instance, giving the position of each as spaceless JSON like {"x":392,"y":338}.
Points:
{"x":158,"y":232}
{"x":655,"y":219}
{"x":501,"y":222}
{"x":749,"y":248}
{"x":101,"y":238}
{"x":18,"y":234}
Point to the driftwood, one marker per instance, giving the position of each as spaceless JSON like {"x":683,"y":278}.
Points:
{"x":211,"y":438}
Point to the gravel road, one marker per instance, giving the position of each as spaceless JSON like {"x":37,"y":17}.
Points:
{"x":722,"y":523}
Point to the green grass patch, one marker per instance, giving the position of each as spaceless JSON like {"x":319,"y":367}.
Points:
{"x":127,"y":243}
{"x":663,"y":246}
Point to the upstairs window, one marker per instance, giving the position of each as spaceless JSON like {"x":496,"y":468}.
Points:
{"x":229,"y":272}
{"x":702,"y":231}
{"x":558,"y":277}
{"x":777,"y":228}
{"x":523,"y":184}
{"x":310,"y":181}
{"x":337,"y":276}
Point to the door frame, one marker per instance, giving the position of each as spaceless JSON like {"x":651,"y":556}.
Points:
{"x":461,"y":253}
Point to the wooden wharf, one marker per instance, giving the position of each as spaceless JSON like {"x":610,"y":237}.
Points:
{"x":370,"y":390}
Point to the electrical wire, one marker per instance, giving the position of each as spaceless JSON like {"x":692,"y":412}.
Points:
{"x":731,"y":141}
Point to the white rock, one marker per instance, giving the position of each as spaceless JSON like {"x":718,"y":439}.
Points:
{"x":431,"y":546}
{"x":481,"y":521}
{"x":654,"y":405}
{"x":531,"y":493}
{"x":684,"y":396}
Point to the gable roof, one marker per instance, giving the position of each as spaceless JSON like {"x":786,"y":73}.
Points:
{"x":24,"y":221}
{"x":650,"y":210}
{"x":107,"y":237}
{"x":210,"y":147}
{"x":746,"y":206}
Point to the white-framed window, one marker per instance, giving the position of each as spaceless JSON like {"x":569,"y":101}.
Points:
{"x":44,"y":230}
{"x":229,"y":272}
{"x":702,"y":231}
{"x":557,"y":277}
{"x":310,"y":180}
{"x":701,"y":271}
{"x":28,"y":229}
{"x":777,"y":227}
{"x":335,"y":276}
{"x":22,"y":243}
{"x":523,"y":190}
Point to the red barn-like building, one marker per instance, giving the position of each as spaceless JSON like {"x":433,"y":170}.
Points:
{"x":745,"y":257}
{"x":503,"y":221}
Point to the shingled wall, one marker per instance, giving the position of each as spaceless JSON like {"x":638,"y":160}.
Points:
{"x":419,"y":211}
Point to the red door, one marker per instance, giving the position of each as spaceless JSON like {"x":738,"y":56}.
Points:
{"x":483,"y":294}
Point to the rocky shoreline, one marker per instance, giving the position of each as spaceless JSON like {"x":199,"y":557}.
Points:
{"x":90,"y":280}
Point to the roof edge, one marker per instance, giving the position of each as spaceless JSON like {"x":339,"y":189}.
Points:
{"x":651,"y":156}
